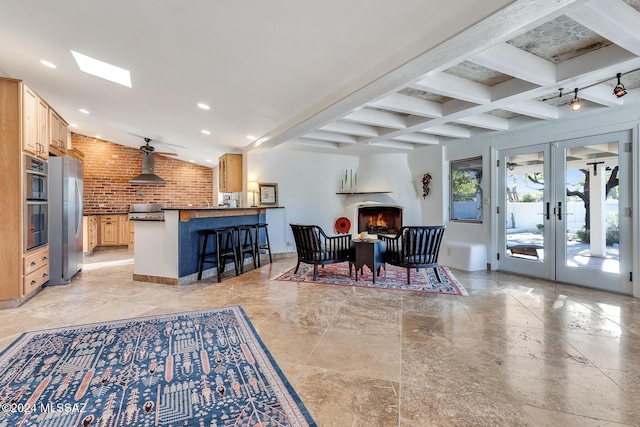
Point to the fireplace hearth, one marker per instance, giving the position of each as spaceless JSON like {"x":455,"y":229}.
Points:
{"x":379,"y":219}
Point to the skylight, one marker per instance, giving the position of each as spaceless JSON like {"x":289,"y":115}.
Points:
{"x":102,"y":69}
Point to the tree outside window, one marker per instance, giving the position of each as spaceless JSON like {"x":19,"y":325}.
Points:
{"x":466,"y":190}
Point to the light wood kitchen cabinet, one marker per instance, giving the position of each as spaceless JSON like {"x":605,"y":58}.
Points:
{"x":20,"y":109}
{"x":35,"y":269}
{"x":114,"y":230}
{"x":30,"y":120}
{"x":230,"y":173}
{"x":43,"y":128}
{"x":108,"y":230}
{"x":123,"y":230}
{"x":90,"y":233}
{"x":57,"y":133}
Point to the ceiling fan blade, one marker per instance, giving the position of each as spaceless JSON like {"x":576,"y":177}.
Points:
{"x":163,"y":153}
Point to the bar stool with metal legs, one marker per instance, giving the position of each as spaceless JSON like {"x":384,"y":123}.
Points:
{"x":266,"y":246}
{"x":246,"y":245}
{"x":224,"y":250}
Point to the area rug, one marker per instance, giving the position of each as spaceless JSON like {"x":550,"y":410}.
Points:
{"x":423,"y":280}
{"x":199,"y":368}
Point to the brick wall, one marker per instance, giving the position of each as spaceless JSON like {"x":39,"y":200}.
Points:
{"x":108,"y":167}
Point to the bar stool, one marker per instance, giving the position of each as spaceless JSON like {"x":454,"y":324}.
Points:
{"x":224,"y":250}
{"x":245,"y":244}
{"x":266,"y":246}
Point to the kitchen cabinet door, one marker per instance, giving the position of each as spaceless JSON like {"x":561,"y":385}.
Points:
{"x":29,"y":120}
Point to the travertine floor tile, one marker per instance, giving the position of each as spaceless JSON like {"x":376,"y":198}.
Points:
{"x":517,"y":351}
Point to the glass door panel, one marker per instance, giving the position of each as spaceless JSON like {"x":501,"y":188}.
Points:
{"x":591,"y":219}
{"x":525,"y":210}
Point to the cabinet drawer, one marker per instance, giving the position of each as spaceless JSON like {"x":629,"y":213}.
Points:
{"x":36,"y":260}
{"x":35,"y":279}
{"x":108,"y":218}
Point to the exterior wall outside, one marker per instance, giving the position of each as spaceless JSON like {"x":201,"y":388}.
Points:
{"x":108,"y":167}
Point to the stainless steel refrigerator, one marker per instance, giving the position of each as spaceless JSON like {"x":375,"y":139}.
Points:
{"x":65,"y":219}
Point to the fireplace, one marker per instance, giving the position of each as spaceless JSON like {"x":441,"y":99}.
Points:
{"x":376,"y":219}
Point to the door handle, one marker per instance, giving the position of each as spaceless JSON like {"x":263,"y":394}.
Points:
{"x":560,"y":210}
{"x":547,"y":213}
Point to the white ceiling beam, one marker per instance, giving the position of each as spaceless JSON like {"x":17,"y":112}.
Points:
{"x":448,"y":130}
{"x":512,"y":87}
{"x":330,"y":136}
{"x":314,"y":143}
{"x":351,"y":128}
{"x":614,"y":20}
{"x":601,"y":94}
{"x":518,"y":63}
{"x":410,"y":105}
{"x":393,"y":144}
{"x":599,"y":64}
{"x":486,"y":121}
{"x":418,"y":138}
{"x":455,"y":87}
{"x":537,"y":109}
{"x":377,"y":118}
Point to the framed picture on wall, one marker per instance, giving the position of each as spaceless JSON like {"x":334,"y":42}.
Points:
{"x":268,"y":192}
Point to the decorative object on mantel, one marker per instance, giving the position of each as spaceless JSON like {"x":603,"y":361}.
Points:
{"x":268,"y":193}
{"x":343,"y":225}
{"x":349,"y":183}
{"x":395,"y":278}
{"x":426,"y":179}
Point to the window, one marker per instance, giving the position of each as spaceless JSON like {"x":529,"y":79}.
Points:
{"x":466,"y":190}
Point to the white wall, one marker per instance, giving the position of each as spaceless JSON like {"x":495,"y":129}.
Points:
{"x":307,"y":185}
{"x":308,"y":182}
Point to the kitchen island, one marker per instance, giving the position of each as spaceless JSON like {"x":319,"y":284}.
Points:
{"x":167,"y":251}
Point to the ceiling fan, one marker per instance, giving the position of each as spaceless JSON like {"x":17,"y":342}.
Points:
{"x":150,"y":149}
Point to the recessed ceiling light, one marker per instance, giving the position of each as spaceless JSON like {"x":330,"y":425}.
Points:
{"x":251,"y":137}
{"x":83,"y":111}
{"x":203,"y":106}
{"x":47,"y":63}
{"x":192,"y":161}
{"x":208,"y":161}
{"x":206,"y":132}
{"x":73,"y":125}
{"x":97,"y":136}
{"x":102,"y":69}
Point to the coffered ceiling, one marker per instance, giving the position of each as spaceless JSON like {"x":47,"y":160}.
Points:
{"x":357,"y":77}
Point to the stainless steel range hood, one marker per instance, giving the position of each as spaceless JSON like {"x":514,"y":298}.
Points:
{"x":148,"y":175}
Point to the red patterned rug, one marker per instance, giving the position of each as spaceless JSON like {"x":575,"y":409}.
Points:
{"x":423,"y":280}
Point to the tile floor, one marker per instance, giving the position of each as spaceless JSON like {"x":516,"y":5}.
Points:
{"x":515,"y":352}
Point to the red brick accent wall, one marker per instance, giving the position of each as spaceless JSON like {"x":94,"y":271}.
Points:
{"x":108,"y":167}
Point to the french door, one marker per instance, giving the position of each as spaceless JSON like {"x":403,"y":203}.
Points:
{"x":564,"y":211}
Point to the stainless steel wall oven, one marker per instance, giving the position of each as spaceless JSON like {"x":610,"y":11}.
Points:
{"x":36,"y":203}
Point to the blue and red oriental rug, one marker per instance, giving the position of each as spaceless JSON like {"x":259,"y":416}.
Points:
{"x":200,"y":368}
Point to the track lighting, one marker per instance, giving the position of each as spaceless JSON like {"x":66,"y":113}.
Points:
{"x":619,"y":90}
{"x":575,"y":103}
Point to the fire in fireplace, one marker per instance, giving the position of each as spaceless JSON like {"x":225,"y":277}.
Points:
{"x":379,"y":219}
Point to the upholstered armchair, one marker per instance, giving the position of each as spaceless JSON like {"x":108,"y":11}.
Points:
{"x":315,"y":247}
{"x":414,"y":247}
